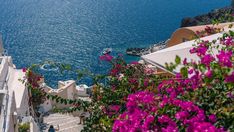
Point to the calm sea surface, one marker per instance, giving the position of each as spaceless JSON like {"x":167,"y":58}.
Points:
{"x":76,"y":31}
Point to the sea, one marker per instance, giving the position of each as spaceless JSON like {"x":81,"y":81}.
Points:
{"x":76,"y":31}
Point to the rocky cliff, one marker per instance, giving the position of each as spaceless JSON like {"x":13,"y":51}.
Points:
{"x":222,"y":14}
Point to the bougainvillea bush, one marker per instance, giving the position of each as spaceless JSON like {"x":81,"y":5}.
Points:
{"x":198,"y":98}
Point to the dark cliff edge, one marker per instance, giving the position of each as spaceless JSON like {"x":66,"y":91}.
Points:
{"x":218,"y":15}
{"x":222,"y":14}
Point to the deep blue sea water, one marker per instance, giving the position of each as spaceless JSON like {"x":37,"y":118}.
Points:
{"x":76,"y":31}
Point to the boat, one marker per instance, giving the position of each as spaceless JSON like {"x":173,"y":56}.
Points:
{"x":106,"y":51}
{"x":49,"y":67}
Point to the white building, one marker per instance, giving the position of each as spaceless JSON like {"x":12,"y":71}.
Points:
{"x":67,"y":90}
{"x":13,"y":94}
{"x":168,"y":55}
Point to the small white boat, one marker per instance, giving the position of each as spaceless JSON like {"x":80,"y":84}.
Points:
{"x":106,"y":51}
{"x":49,"y":67}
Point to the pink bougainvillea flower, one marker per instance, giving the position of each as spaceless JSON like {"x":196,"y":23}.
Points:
{"x":209,"y":74}
{"x":171,"y":125}
{"x":106,"y":57}
{"x":132,"y":80}
{"x":134,"y":63}
{"x":149,"y":119}
{"x":201,"y":50}
{"x":114,"y":72}
{"x":138,"y":117}
{"x":178,"y":75}
{"x":146,"y":82}
{"x":185,"y":61}
{"x":148,"y":71}
{"x":190,"y":71}
{"x":230,"y":78}
{"x":224,"y":58}
{"x":114,"y":107}
{"x":228,"y":41}
{"x":230,"y":95}
{"x":118,"y":66}
{"x":192,"y":51}
{"x":207,"y":59}
{"x":24,"y":69}
{"x":202,"y":127}
{"x":182,"y":115}
{"x":212,"y":118}
{"x":209,"y":29}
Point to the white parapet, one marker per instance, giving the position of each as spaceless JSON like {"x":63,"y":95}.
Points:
{"x":67,"y":90}
{"x":83,"y":90}
{"x":14,"y":95}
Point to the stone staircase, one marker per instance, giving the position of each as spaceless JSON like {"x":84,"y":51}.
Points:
{"x":67,"y":123}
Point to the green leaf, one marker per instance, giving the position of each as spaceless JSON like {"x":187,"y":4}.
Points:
{"x":57,"y":100}
{"x":65,"y":102}
{"x":61,"y":101}
{"x":202,"y":68}
{"x":54,"y":97}
{"x":48,"y":96}
{"x":184,"y":72}
{"x":231,"y":33}
{"x":177,"y":60}
{"x":71,"y":101}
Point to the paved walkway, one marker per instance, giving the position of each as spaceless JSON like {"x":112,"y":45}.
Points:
{"x":67,"y":123}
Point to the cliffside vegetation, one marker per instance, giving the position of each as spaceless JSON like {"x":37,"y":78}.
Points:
{"x":218,"y":15}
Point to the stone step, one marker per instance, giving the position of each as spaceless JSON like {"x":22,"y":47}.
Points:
{"x":66,"y":122}
{"x":76,"y":128}
{"x":60,"y":121}
{"x":49,"y":119}
{"x":69,"y":123}
{"x":58,"y":115}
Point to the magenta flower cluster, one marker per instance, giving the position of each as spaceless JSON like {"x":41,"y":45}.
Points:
{"x":171,"y":105}
{"x":144,"y":115}
{"x":165,"y":110}
{"x":224,"y":58}
{"x":138,"y":115}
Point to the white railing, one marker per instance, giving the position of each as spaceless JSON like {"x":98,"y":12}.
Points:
{"x":3,"y":86}
{"x":3,"y":72}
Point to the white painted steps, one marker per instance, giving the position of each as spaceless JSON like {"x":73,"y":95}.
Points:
{"x":67,"y":123}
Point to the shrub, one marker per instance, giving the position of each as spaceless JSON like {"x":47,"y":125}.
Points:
{"x":25,"y":127}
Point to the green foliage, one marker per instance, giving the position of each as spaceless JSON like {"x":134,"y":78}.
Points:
{"x":25,"y":127}
{"x":177,"y":60}
{"x":215,"y":100}
{"x":184,"y":72}
{"x":225,"y":17}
